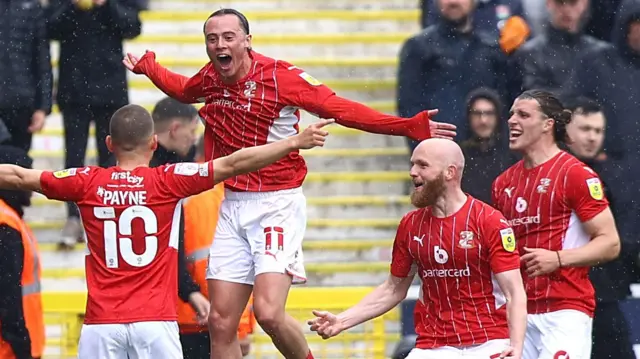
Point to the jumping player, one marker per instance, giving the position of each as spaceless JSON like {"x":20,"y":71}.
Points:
{"x":561,"y":218}
{"x":130,"y":215}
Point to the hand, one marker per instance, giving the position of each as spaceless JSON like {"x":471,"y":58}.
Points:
{"x":540,"y":261}
{"x":312,"y":136}
{"x":201,"y":305}
{"x":325,"y":324}
{"x":439,"y":129}
{"x":509,"y":352}
{"x":37,"y":121}
{"x":99,"y":2}
{"x":134,"y":64}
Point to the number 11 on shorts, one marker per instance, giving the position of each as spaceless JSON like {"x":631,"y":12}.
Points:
{"x":272,"y":233}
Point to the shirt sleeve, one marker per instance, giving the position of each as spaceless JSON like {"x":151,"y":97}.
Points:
{"x":402,"y":264}
{"x":499,"y":237}
{"x":65,"y":185}
{"x":298,"y":88}
{"x":584,"y":193}
{"x":182,"y":180}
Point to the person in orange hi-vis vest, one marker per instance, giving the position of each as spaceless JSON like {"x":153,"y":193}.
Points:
{"x":22,"y":333}
{"x":200,"y":219}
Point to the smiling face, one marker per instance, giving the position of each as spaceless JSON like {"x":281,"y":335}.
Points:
{"x":527,"y":124}
{"x":227,"y":46}
{"x":428,"y":179}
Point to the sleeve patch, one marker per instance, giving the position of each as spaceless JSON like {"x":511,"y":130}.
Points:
{"x":595,"y":188}
{"x":508,"y":239}
{"x":204,"y":169}
{"x":186,"y":169}
{"x":310,"y":79}
{"x":65,"y":173}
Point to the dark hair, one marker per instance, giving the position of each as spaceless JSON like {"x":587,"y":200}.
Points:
{"x":551,"y":107}
{"x":244,"y":23}
{"x":169,"y":109}
{"x":484,"y":93}
{"x":583,"y":105}
{"x":130,"y":127}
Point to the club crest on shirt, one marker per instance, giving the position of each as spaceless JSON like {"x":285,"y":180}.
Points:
{"x":595,"y":188}
{"x":65,"y":173}
{"x":466,"y":240}
{"x":310,"y":79}
{"x":508,"y":239}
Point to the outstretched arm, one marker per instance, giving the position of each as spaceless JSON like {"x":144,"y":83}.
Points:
{"x":17,"y":178}
{"x":252,"y":159}
{"x":181,"y":88}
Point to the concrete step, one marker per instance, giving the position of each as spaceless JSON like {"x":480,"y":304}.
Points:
{"x":278,"y":21}
{"x":208,"y":6}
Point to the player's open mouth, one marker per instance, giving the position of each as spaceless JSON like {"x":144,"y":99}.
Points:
{"x":513,"y":134}
{"x":417,"y":185}
{"x":224,"y":60}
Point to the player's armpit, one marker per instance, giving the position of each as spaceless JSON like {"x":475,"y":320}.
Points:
{"x":14,"y":177}
{"x":603,"y":247}
{"x":381,"y":300}
{"x":511,"y":284}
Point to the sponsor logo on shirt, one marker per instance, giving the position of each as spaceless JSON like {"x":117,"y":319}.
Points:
{"x":508,"y":239}
{"x":65,"y":173}
{"x":595,"y":188}
{"x":310,"y":79}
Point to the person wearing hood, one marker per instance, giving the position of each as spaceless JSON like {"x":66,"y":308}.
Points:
{"x":22,"y":331}
{"x":485,"y":150}
{"x":440,"y":65}
{"x":611,"y":280}
{"x":611,"y":77}
{"x":545,"y":62}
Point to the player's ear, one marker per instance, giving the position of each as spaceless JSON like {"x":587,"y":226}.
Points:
{"x":154,"y":142}
{"x":109,"y":143}
{"x":548,"y":124}
{"x":247,"y":42}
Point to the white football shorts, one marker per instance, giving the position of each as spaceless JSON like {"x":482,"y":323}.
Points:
{"x":562,"y":334}
{"x":489,"y":350}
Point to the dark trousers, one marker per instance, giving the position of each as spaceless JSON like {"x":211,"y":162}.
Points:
{"x":195,"y":346}
{"x":76,"y":120}
{"x":18,"y":121}
{"x":610,"y":333}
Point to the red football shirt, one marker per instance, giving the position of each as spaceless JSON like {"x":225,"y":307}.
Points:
{"x":546,"y":205}
{"x":131,"y":221}
{"x":456,"y":259}
{"x":261,"y":108}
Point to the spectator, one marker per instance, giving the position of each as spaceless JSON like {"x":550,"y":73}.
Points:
{"x":440,"y":65}
{"x":485,"y":151}
{"x":545,"y":62}
{"x":22,"y":333}
{"x":25,"y":70}
{"x":611,"y":77}
{"x":602,"y":16}
{"x":611,"y":280}
{"x":92,"y":83}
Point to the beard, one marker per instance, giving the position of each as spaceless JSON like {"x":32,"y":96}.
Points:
{"x":429,"y":193}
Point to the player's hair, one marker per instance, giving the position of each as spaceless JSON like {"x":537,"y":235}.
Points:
{"x":583,"y":106}
{"x":244,"y":23}
{"x":552,"y":108}
{"x":169,"y":109}
{"x":131,"y":127}
{"x":200,"y":147}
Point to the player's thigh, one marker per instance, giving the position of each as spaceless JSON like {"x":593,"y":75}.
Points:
{"x":488,"y":350}
{"x":437,"y":353}
{"x":276,"y":235}
{"x":228,"y":301}
{"x":565,"y":334}
{"x":532,"y":338}
{"x":155,"y":340}
{"x":103,"y":341}
{"x":230,"y":257}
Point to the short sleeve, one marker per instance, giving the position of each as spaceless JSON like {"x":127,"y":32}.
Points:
{"x":584,"y":193}
{"x":182,"y":180}
{"x":499,"y":237}
{"x":300,"y":89}
{"x":65,"y":185}
{"x":401,"y":260}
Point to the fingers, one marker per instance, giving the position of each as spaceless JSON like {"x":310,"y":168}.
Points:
{"x":444,"y":133}
{"x":433,"y":112}
{"x":322,"y":123}
{"x":445,"y":126}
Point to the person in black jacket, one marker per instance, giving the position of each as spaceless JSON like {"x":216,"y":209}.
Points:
{"x":485,"y":150}
{"x":92,"y":84}
{"x":25,"y":70}
{"x":611,"y":280}
{"x":13,"y":329}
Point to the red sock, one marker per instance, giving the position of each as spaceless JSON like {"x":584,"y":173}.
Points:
{"x":310,"y":356}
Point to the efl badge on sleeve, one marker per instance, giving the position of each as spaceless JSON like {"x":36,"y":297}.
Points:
{"x":65,"y":173}
{"x":186,"y":168}
{"x":595,"y":188}
{"x":310,"y":79}
{"x":508,"y":239}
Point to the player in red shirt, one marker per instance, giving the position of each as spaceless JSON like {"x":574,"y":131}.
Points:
{"x":472,"y":302}
{"x":563,"y":224}
{"x":130,"y":213}
{"x":250,"y":99}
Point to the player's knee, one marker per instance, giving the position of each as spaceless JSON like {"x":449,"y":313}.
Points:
{"x":270,"y":318}
{"x":220,"y":325}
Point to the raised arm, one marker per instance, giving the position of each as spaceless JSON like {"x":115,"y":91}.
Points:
{"x":252,"y":159}
{"x":14,"y":177}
